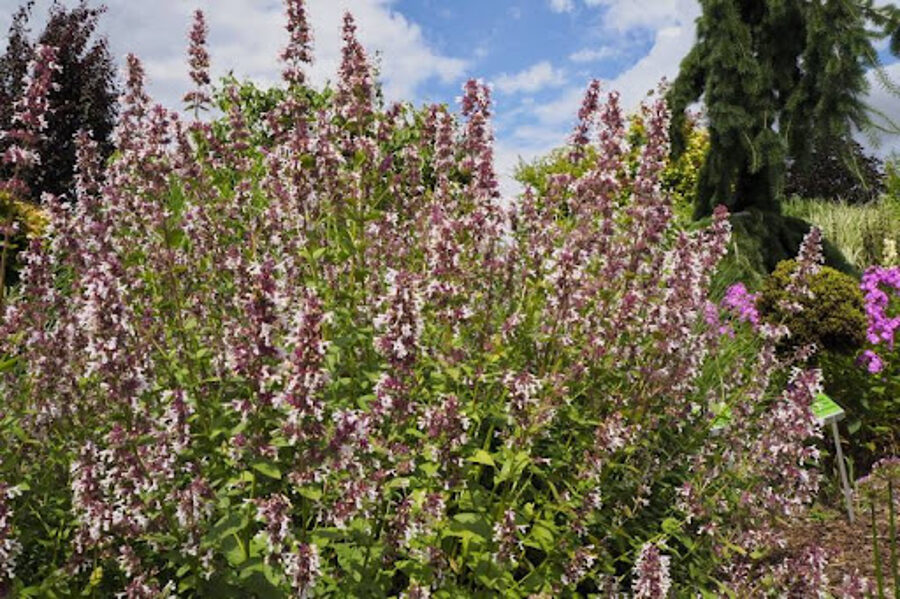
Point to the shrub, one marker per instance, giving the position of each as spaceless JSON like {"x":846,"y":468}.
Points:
{"x":27,"y":222}
{"x":839,"y":171}
{"x":831,"y":317}
{"x":334,"y":364}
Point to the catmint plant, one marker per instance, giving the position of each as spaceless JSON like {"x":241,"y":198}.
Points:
{"x":310,"y":351}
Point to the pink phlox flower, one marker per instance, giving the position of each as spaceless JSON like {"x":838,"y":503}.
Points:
{"x":742,"y":304}
{"x":877,"y":284}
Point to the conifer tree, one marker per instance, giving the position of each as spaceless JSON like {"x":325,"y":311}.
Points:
{"x":777,"y":77}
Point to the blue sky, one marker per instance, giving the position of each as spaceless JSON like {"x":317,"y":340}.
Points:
{"x":537,"y":54}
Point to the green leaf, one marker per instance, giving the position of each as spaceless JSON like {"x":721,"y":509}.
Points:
{"x":482,"y":457}
{"x":351,"y":559}
{"x":261,"y":586}
{"x":671,"y":526}
{"x":311,"y":493}
{"x":233,"y":550}
{"x":738,"y":550}
{"x":226,"y":526}
{"x":398,"y":483}
{"x":542,"y":535}
{"x":513,"y":467}
{"x":470,"y":524}
{"x":267,"y":469}
{"x":187,"y":584}
{"x":533,"y":583}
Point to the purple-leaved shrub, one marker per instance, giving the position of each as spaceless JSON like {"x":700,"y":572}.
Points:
{"x":338,"y":364}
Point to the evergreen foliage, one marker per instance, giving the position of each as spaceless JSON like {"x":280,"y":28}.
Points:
{"x":779,"y":78}
{"x":85,"y":94}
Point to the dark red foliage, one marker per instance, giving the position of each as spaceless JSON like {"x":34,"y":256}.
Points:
{"x":837,"y":171}
{"x":85,"y":97}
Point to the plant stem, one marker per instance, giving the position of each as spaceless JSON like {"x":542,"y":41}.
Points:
{"x":3,"y":265}
{"x":879,"y":578}
{"x":893,"y":538}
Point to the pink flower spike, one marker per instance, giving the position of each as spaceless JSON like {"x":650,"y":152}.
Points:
{"x":198,"y":59}
{"x":298,"y":52}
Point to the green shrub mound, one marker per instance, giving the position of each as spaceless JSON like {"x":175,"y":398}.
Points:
{"x":833,"y":317}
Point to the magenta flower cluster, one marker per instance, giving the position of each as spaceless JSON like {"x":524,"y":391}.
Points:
{"x":879,"y":286}
{"x":742,"y":304}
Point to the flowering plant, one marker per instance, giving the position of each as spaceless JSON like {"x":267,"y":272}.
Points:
{"x":309,"y":351}
{"x":879,"y":363}
{"x":880,"y":284}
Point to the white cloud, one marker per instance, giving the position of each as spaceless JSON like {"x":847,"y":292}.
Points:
{"x":594,"y":54}
{"x":247,"y":36}
{"x":562,"y":5}
{"x":628,"y":14}
{"x":534,"y":78}
{"x":884,"y":101}
{"x":663,"y":60}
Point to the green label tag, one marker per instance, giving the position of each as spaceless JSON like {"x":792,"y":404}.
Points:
{"x":826,"y":410}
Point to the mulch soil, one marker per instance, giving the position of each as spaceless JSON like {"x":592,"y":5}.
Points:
{"x":849,"y":545}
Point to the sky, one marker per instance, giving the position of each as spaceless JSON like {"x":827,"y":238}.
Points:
{"x":538,"y":55}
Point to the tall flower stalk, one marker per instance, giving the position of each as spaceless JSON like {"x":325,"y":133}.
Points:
{"x":198,"y":59}
{"x":30,"y":121}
